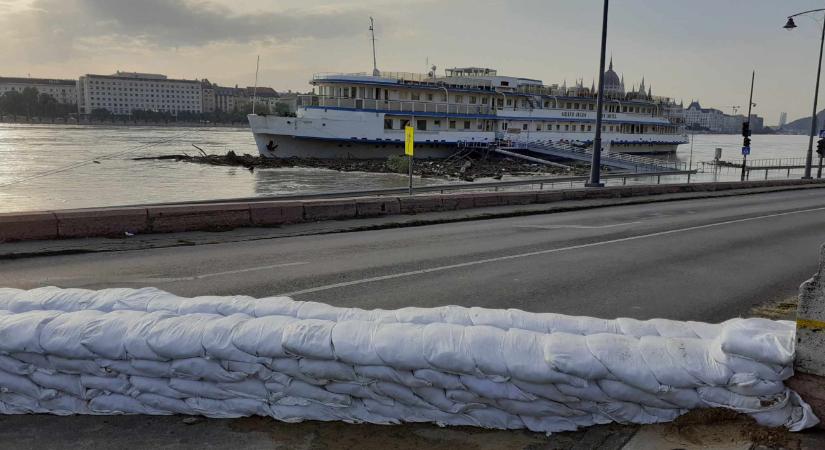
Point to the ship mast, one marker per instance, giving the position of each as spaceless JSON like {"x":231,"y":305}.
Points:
{"x":375,"y":71}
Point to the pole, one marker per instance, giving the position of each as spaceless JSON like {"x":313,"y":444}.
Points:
{"x":375,"y":72}
{"x":410,"y":162}
{"x":750,"y":104}
{"x":690,"y":160}
{"x":809,"y":154}
{"x":595,"y":164}
{"x":255,"y":89}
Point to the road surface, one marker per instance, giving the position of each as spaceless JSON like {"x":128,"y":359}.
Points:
{"x":706,"y":259}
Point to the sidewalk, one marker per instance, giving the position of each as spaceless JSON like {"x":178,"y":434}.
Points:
{"x":699,"y":430}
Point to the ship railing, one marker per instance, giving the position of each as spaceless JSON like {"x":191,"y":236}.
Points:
{"x":401,"y":106}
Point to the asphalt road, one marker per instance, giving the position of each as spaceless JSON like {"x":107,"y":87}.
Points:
{"x":706,"y":259}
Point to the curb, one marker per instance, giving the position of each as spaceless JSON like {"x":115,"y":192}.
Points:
{"x":117,"y":221}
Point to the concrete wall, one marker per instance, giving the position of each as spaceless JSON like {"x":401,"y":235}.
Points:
{"x":118,"y":221}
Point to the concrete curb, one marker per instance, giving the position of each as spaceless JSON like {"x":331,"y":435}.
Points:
{"x":117,"y":221}
{"x":809,"y":365}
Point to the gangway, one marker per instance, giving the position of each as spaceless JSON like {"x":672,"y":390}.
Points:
{"x":579,"y":151}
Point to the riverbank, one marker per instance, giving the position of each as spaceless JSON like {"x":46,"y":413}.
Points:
{"x":465,"y":169}
{"x":119,"y":121}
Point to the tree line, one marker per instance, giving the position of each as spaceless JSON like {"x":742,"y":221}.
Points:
{"x":31,"y":103}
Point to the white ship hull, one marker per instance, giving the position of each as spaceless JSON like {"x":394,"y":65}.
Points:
{"x":360,"y":135}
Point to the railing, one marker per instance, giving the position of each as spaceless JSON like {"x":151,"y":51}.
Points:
{"x":580,"y":150}
{"x":405,"y":106}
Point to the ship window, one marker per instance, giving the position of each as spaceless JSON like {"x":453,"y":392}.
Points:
{"x":484,"y":100}
{"x":452,"y":124}
{"x":567,"y":128}
{"x":505,"y":83}
{"x":504,"y":125}
{"x":589,"y":127}
{"x":558,"y":127}
{"x":575,"y":106}
{"x":472,"y":100}
{"x":415,"y":96}
{"x":591,"y":107}
{"x":421,"y":124}
{"x":437,"y":123}
{"x":466,"y":124}
{"x":459,"y":99}
{"x":524,"y":127}
{"x":568,"y":105}
{"x":388,"y":124}
{"x":404,"y":123}
{"x":538,"y":127}
{"x":430,"y":97}
{"x":509,"y":102}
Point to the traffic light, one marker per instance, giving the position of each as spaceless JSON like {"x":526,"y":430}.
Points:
{"x":820,"y":147}
{"x":746,"y":142}
{"x":746,"y":129}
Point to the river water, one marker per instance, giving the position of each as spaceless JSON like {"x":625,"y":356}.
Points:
{"x":51,"y":166}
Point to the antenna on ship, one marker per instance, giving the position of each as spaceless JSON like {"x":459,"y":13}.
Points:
{"x":255,"y":88}
{"x":375,"y":71}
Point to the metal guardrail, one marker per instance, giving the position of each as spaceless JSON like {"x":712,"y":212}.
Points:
{"x":440,"y":188}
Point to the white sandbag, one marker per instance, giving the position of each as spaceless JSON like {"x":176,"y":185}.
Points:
{"x":385,"y":373}
{"x":21,"y":385}
{"x":15,"y":366}
{"x":20,"y":333}
{"x":250,"y":388}
{"x":563,"y":353}
{"x":354,"y":342}
{"x":135,"y":341}
{"x":194,"y":388}
{"x":358,"y":390}
{"x":122,"y":404}
{"x":227,"y":409}
{"x":262,"y":336}
{"x":156,"y":386}
{"x":401,"y":345}
{"x":494,"y":390}
{"x":203,"y":369}
{"x":621,"y":355}
{"x":439,"y":379}
{"x":163,"y":403}
{"x":180,"y":336}
{"x":63,"y":335}
{"x":763,"y":340}
{"x":218,"y":339}
{"x":445,"y":348}
{"x":327,"y":370}
{"x":65,"y":405}
{"x":69,"y":384}
{"x":117,"y":385}
{"x":103,"y":335}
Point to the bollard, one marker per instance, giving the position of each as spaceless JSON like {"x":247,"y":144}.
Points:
{"x":809,"y":365}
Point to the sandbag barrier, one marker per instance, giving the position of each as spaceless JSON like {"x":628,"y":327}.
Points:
{"x":146,"y":351}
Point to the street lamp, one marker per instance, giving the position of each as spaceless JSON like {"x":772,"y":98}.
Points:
{"x":596,"y":161}
{"x":790,"y":25}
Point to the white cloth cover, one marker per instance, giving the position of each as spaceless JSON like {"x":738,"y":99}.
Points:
{"x":146,"y":351}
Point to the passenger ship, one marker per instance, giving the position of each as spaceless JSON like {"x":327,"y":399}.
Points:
{"x":363,"y":116}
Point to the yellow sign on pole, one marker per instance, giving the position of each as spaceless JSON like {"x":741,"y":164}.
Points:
{"x":409,"y":136}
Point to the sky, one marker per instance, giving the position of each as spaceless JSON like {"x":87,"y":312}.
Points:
{"x":696,"y":49}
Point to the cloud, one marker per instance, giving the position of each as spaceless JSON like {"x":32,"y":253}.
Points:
{"x":60,"y":24}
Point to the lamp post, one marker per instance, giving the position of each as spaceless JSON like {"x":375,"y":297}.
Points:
{"x":595,"y":164}
{"x":790,"y":25}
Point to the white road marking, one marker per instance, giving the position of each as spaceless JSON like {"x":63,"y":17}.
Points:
{"x":578,"y":227}
{"x":539,"y":252}
{"x":217,"y":274}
